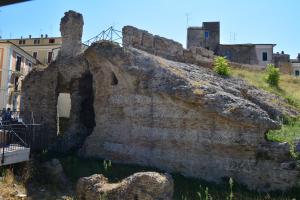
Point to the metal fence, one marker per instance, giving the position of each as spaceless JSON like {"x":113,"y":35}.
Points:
{"x":22,"y":132}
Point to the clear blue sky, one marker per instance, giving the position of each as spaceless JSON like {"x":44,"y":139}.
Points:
{"x":252,"y":21}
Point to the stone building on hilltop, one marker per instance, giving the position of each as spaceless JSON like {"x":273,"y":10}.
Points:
{"x":283,"y":62}
{"x":296,"y":66}
{"x":208,"y":36}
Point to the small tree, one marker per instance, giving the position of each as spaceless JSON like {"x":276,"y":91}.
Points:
{"x":273,"y":75}
{"x":221,"y":66}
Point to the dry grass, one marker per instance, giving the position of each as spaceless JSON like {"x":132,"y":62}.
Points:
{"x":288,"y":85}
{"x":9,"y":187}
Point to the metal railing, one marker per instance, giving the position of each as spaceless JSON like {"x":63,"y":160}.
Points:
{"x":10,"y":141}
{"x":21,"y":133}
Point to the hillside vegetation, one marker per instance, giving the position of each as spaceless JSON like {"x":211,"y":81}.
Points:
{"x":288,"y":85}
{"x":288,"y":88}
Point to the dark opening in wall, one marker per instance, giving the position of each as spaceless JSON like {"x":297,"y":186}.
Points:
{"x":16,"y":83}
{"x":87,"y":114}
{"x":114,"y":80}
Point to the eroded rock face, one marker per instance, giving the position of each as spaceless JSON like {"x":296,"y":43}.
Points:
{"x":71,"y":31}
{"x":181,"y":117}
{"x":175,"y":116}
{"x":139,"y":186}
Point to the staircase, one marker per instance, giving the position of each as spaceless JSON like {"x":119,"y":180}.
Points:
{"x":13,"y":148}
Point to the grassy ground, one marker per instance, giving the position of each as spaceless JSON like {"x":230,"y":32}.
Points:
{"x":288,"y":89}
{"x":184,"y":188}
{"x":75,"y":167}
{"x":289,"y":132}
{"x":288,"y":85}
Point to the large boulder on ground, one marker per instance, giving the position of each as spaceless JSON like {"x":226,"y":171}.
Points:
{"x":139,"y":186}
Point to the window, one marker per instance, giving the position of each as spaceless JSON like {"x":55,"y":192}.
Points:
{"x":51,"y":40}
{"x":16,"y":83}
{"x":15,"y":102}
{"x":18,"y":63}
{"x":29,"y":64}
{"x":297,"y":73}
{"x":265,"y":56}
{"x":206,"y":35}
{"x":228,"y":54}
{"x":49,"y":57}
{"x":21,"y":41}
{"x":36,"y":41}
{"x":34,"y":55}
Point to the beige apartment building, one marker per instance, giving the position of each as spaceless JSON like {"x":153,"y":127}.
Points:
{"x":39,"y":51}
{"x":15,"y":64}
{"x":40,"y":48}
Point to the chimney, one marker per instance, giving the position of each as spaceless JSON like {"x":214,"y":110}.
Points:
{"x":46,"y":36}
{"x":298,"y":57}
{"x":42,"y":35}
{"x":282,"y":52}
{"x":29,"y":36}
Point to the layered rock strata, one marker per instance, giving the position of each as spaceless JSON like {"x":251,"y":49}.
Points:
{"x":131,"y":106}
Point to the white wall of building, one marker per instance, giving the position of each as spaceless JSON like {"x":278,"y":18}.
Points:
{"x":296,"y":69}
{"x":64,"y":105}
{"x":5,"y":73}
{"x":259,"y":53}
{"x":8,"y":68}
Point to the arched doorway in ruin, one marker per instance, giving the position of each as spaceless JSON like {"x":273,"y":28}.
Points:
{"x":75,"y":111}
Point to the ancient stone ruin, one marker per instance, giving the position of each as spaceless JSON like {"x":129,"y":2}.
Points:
{"x":148,"y":103}
{"x":143,"y":185}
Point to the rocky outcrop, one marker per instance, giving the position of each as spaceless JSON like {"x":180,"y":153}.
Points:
{"x":71,"y":26}
{"x":139,"y":186}
{"x":181,"y":117}
{"x":135,"y":107}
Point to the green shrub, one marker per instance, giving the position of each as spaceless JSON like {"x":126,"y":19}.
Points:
{"x":221,"y":66}
{"x":273,"y":75}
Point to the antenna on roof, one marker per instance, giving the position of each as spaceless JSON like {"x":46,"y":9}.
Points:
{"x":234,"y":37}
{"x":187,"y":15}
